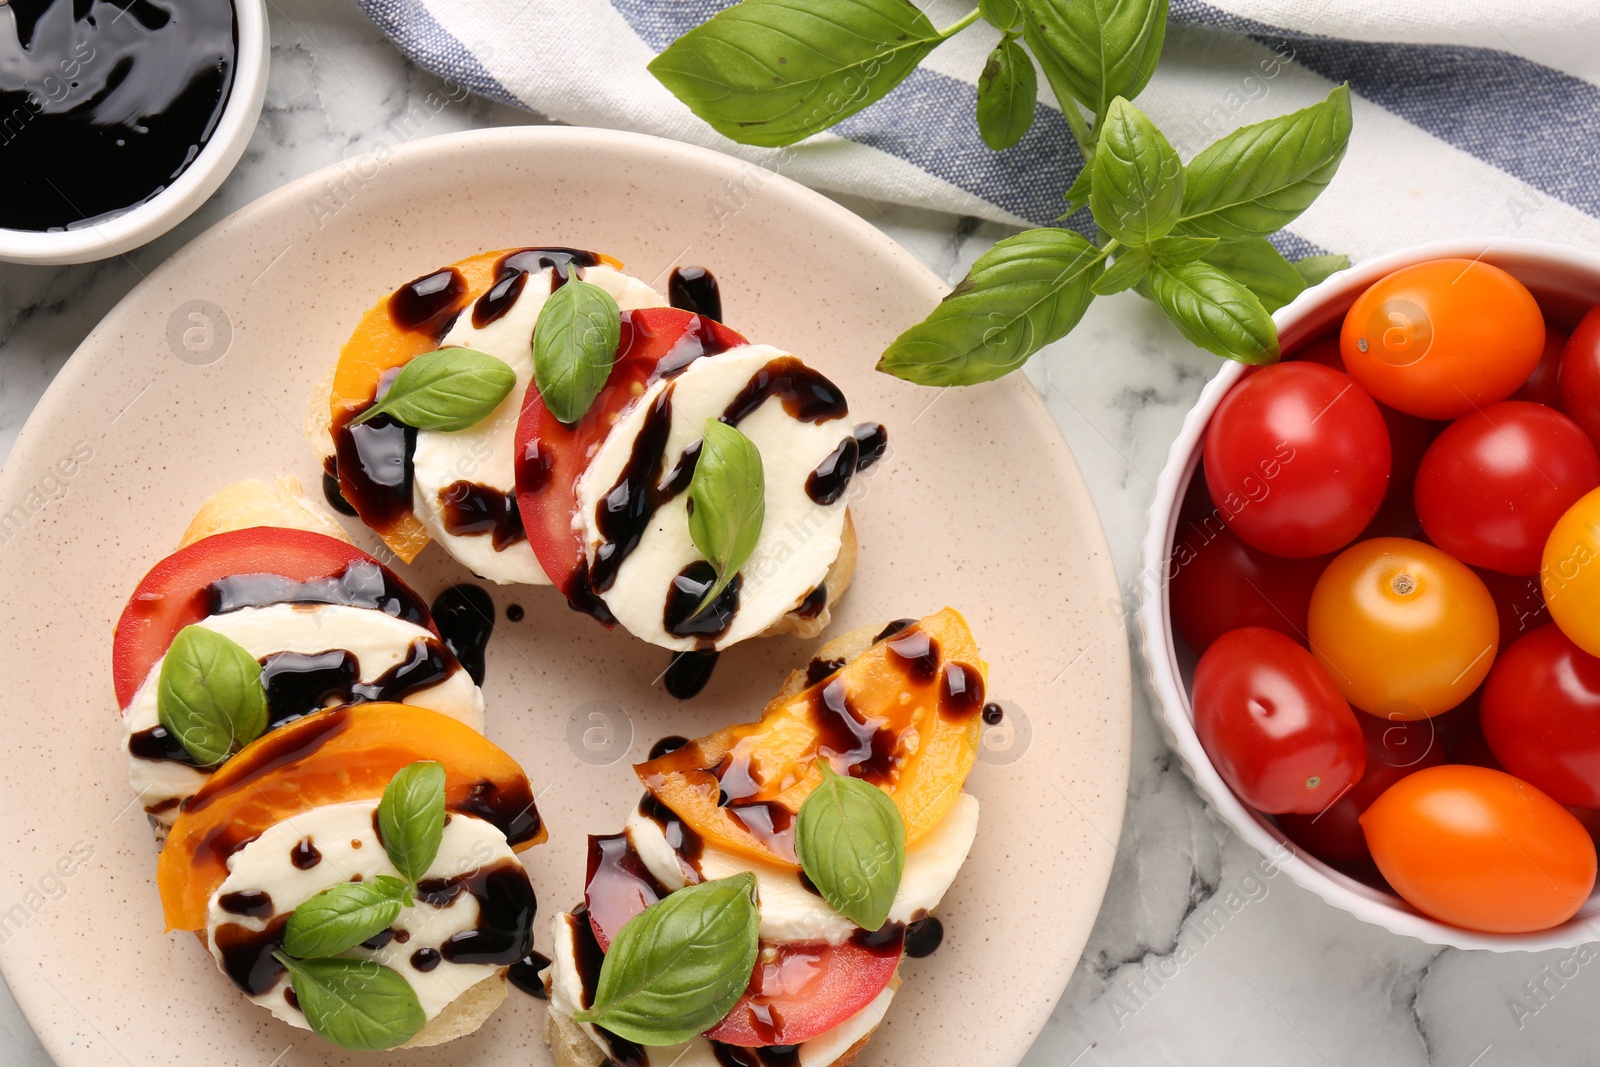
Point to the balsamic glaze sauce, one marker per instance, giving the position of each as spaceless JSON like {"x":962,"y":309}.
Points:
{"x":872,"y":441}
{"x":514,"y":613}
{"x":428,"y":304}
{"x":867,"y":749}
{"x":805,"y":394}
{"x":617,"y":885}
{"x":426,"y":959}
{"x":106,"y":102}
{"x":374,"y":460}
{"x":695,"y":289}
{"x":916,"y":653}
{"x":253,"y":903}
{"x":828,"y":482}
{"x":512,"y":810}
{"x":670,"y":743}
{"x":362,"y":584}
{"x":993,"y":714}
{"x":330,"y":488}
{"x":768,"y":1056}
{"x":684,"y":841}
{"x":818,"y":669}
{"x":524,"y":974}
{"x":511,"y":276}
{"x":689,"y":672}
{"x":923,"y":937}
{"x":629,"y":506}
{"x":304,"y":855}
{"x":469,"y":508}
{"x":684,"y":595}
{"x":960,"y":692}
{"x":246,"y":954}
{"x":589,"y":959}
{"x":506,"y":910}
{"x":464,"y":615}
{"x":893,"y":628}
{"x":813,"y":603}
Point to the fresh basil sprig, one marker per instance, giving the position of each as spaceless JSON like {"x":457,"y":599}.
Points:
{"x":342,"y":916}
{"x":209,"y":695}
{"x":451,"y":389}
{"x":727,"y":503}
{"x":574,"y":347}
{"x":851,"y":842}
{"x":680,"y":965}
{"x":411,"y":818}
{"x":355,"y":1004}
{"x":770,"y":72}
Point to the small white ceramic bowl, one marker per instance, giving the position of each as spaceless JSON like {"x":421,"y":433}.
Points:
{"x":127,"y":231}
{"x":1567,"y":282}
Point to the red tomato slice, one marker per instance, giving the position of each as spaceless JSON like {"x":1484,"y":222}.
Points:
{"x":173,"y":594}
{"x":801,"y":990}
{"x":656,"y":343}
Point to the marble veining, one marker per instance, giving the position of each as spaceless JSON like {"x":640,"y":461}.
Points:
{"x":1203,"y":953}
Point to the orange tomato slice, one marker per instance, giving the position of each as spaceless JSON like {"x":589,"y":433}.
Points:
{"x":905,"y":715}
{"x":334,"y":756}
{"x":379,"y":345}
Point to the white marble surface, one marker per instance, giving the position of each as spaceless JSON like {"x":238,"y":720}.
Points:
{"x":1281,"y":978}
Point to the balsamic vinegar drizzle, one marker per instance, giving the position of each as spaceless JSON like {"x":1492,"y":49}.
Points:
{"x":872,"y":441}
{"x":464,"y":615}
{"x":827,"y":483}
{"x":524,"y":974}
{"x":923,"y":937}
{"x":362,"y":584}
{"x":695,"y":289}
{"x":511,"y":276}
{"x":299,"y":683}
{"x":689,"y":672}
{"x":469,"y":508}
{"x":681,"y":617}
{"x":330,"y":487}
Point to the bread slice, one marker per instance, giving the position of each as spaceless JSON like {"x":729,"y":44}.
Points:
{"x":464,"y":1014}
{"x":253,"y":502}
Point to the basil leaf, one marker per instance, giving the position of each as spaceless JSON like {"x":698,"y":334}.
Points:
{"x":1008,"y":89}
{"x":1258,"y":179}
{"x":1317,"y":269}
{"x":411,"y":817}
{"x":1078,"y":194}
{"x":1003,"y":15}
{"x":209,"y":695}
{"x":1128,"y":271}
{"x":1259,"y":267}
{"x":1182,"y":249}
{"x":678,"y":967}
{"x":574,"y":347}
{"x":1094,"y":51}
{"x":356,"y":1004}
{"x":1023,"y":293}
{"x":1137,"y":191}
{"x":449,"y":390}
{"x":851,"y":843}
{"x":773,"y":72}
{"x":1214,"y":311}
{"x":727,"y":502}
{"x":341,"y":917}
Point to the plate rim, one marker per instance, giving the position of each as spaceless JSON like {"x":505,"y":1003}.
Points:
{"x":1098,"y":866}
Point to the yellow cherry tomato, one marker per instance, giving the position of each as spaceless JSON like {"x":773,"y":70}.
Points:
{"x":1404,"y":630}
{"x":1570,"y":573}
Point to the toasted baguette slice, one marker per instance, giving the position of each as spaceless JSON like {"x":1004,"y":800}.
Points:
{"x":464,"y":1014}
{"x":253,"y":502}
{"x":572,"y":1047}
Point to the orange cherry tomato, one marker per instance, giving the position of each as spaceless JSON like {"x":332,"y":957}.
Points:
{"x":1570,"y":573}
{"x":1480,"y":849}
{"x":1405,"y":631}
{"x":905,"y":716}
{"x":1440,"y":339}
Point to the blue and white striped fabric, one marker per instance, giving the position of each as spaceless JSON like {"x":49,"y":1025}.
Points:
{"x":1473,"y":118}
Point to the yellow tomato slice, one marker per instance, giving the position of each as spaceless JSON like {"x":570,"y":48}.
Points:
{"x":905,"y":715}
{"x":331,"y":757}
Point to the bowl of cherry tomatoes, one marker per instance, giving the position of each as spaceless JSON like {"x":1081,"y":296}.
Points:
{"x":1370,"y":596}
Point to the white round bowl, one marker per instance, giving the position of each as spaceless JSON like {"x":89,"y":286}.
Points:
{"x":1566,"y":281}
{"x":127,"y":231}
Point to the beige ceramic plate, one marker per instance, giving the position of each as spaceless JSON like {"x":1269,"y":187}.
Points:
{"x":200,"y":377}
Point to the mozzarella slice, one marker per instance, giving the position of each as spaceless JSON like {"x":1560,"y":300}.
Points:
{"x":377,"y":641}
{"x":799,"y":538}
{"x":343,"y":835}
{"x":485,"y":454}
{"x":791,"y":912}
{"x":567,"y":997}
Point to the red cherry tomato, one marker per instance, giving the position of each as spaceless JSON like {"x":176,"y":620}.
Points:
{"x":1439,"y":339}
{"x":1542,"y":386}
{"x":1518,"y":600}
{"x":175,"y":592}
{"x":1274,"y":725}
{"x":1297,"y":459}
{"x":1325,"y":352}
{"x":1481,"y":849}
{"x":1578,"y":384}
{"x":552,"y":457}
{"x":1394,"y":750}
{"x":1541,"y":716}
{"x":1494,"y":484}
{"x":1218,"y":583}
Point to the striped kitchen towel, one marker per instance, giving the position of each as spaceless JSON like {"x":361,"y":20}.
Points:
{"x":1473,"y":118}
